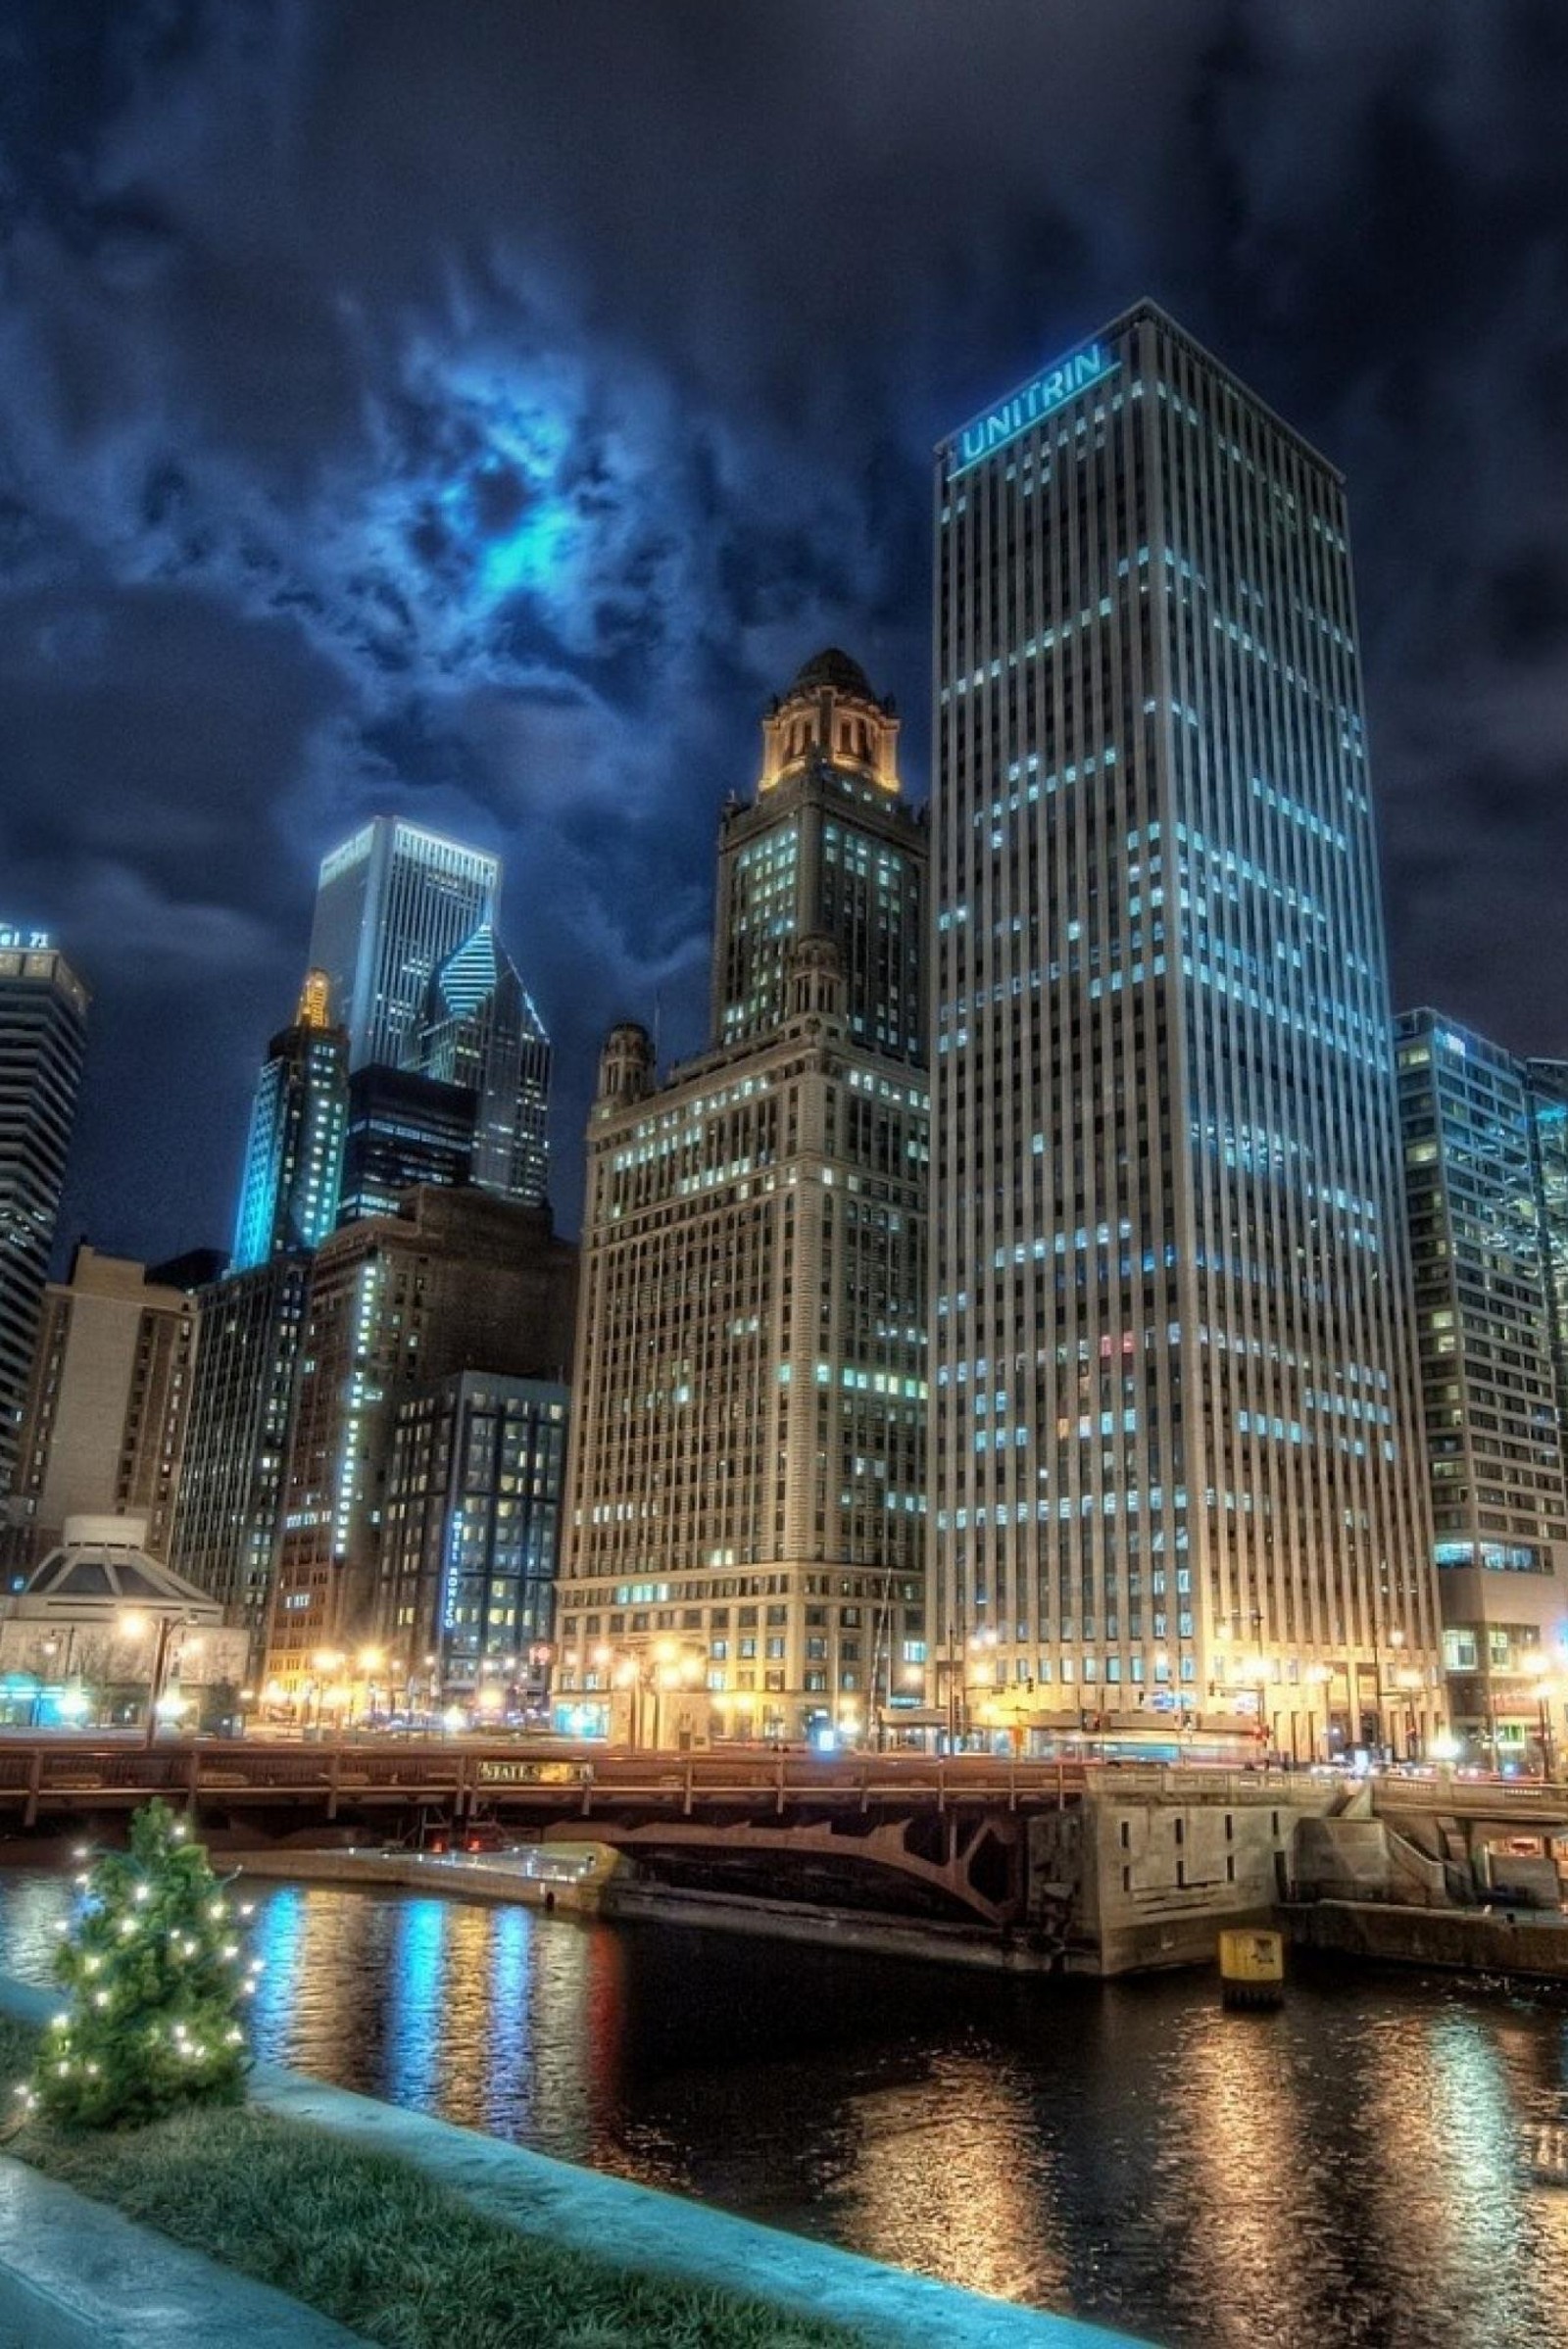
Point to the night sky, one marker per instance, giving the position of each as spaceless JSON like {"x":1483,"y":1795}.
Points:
{"x":476,"y":409}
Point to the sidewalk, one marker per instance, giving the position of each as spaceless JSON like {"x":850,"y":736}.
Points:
{"x":75,"y":2275}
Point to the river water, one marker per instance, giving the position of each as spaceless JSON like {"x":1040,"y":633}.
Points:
{"x":1384,"y":2162}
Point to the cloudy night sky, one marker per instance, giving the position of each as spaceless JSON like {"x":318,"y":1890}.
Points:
{"x":475,"y":411}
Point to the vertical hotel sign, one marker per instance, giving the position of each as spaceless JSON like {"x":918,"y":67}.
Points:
{"x":1039,"y":398}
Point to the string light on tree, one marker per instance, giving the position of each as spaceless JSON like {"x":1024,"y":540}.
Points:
{"x":157,"y":1977}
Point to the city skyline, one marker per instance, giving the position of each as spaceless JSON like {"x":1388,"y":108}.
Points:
{"x":784,"y":1171}
{"x":531,"y":555}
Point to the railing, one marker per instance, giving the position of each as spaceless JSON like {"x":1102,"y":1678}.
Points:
{"x":52,"y":1772}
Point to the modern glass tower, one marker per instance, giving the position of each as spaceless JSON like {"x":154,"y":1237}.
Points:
{"x":1483,"y":1139}
{"x":1176,"y":1456}
{"x":468,"y":1565}
{"x":230,"y":1502}
{"x":294,"y":1154}
{"x":479,"y":1029}
{"x":43,"y":1035}
{"x":391,"y":905}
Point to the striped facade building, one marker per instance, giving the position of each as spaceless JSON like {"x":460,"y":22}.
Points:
{"x":1176,"y":1452}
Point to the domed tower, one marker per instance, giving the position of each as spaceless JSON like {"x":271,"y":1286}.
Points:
{"x":827,"y":849}
{"x":830,"y":713}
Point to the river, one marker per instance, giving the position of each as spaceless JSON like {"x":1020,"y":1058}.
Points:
{"x":1384,"y":2162}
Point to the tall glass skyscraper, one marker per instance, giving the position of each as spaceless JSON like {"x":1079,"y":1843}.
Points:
{"x":479,"y":1029}
{"x":1484,"y":1145}
{"x":294,"y":1154}
{"x":230,"y":1502}
{"x":391,"y":905}
{"x":1176,"y":1456}
{"x":43,"y":1035}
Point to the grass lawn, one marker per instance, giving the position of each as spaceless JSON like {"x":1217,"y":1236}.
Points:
{"x":369,"y":2240}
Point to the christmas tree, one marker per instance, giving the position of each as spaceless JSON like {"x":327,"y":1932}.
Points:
{"x":158,"y":1978}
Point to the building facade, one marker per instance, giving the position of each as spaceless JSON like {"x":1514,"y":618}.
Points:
{"x":455,"y":1280}
{"x":100,"y":1630}
{"x":43,"y":1035}
{"x":294,"y":1151}
{"x":229,"y":1508}
{"x":403,"y":1129}
{"x":391,"y":905}
{"x":1483,"y":1142}
{"x":1176,"y":1458}
{"x":471,"y":1542}
{"x":104,"y":1428}
{"x":744,"y":1552}
{"x":817,"y":855}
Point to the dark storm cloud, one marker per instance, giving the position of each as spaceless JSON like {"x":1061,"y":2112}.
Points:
{"x":479,"y":410}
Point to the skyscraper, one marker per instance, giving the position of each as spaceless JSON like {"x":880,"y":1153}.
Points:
{"x":1176,"y":1457}
{"x":468,"y":1555}
{"x":402,"y":1130}
{"x":294,"y":1154}
{"x":1483,"y":1139}
{"x":479,"y":1029}
{"x":749,"y":1416}
{"x":229,"y":1506}
{"x":790,"y":867}
{"x":104,"y":1426}
{"x":454,"y":1281}
{"x":391,"y":905}
{"x":43,"y":1034}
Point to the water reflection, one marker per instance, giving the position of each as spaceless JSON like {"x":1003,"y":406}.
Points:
{"x":1360,"y":2171}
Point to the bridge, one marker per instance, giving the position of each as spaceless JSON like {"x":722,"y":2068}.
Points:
{"x":947,"y":1832}
{"x":952,"y":1837}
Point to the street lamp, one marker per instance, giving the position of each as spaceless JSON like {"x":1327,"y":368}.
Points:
{"x":133,"y":1625}
{"x":1544,"y":1691}
{"x":1318,"y":1676}
{"x":326,"y":1660}
{"x":980,"y":1643}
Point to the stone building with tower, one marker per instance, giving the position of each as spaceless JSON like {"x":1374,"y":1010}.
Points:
{"x":745,"y":1496}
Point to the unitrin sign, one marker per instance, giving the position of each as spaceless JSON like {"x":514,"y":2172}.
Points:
{"x":1052,"y":388}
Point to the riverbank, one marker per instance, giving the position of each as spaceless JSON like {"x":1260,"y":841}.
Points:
{"x":1485,"y":1946}
{"x":416,"y":2234}
{"x":591,"y":1880}
{"x":374,"y":2246}
{"x":573,"y":1878}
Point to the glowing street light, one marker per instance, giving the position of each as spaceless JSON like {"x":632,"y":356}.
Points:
{"x":132,"y":1622}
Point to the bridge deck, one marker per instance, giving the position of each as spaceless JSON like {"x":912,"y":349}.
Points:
{"x":57,"y":1776}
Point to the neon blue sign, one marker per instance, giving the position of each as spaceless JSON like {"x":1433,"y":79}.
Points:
{"x":1048,"y":391}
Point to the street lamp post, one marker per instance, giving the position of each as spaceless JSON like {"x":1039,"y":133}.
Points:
{"x":1542,"y":1694}
{"x":981,"y":1643}
{"x":950,"y":1666}
{"x":134,"y":1626}
{"x":1318,"y":1677}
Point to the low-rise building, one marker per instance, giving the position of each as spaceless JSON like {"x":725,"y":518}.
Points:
{"x":100,"y":1629}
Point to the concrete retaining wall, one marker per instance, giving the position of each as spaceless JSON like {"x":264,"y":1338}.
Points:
{"x":1536,"y":1948}
{"x":76,"y":2274}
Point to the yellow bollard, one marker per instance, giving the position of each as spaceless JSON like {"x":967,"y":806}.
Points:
{"x":1251,"y":1968}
